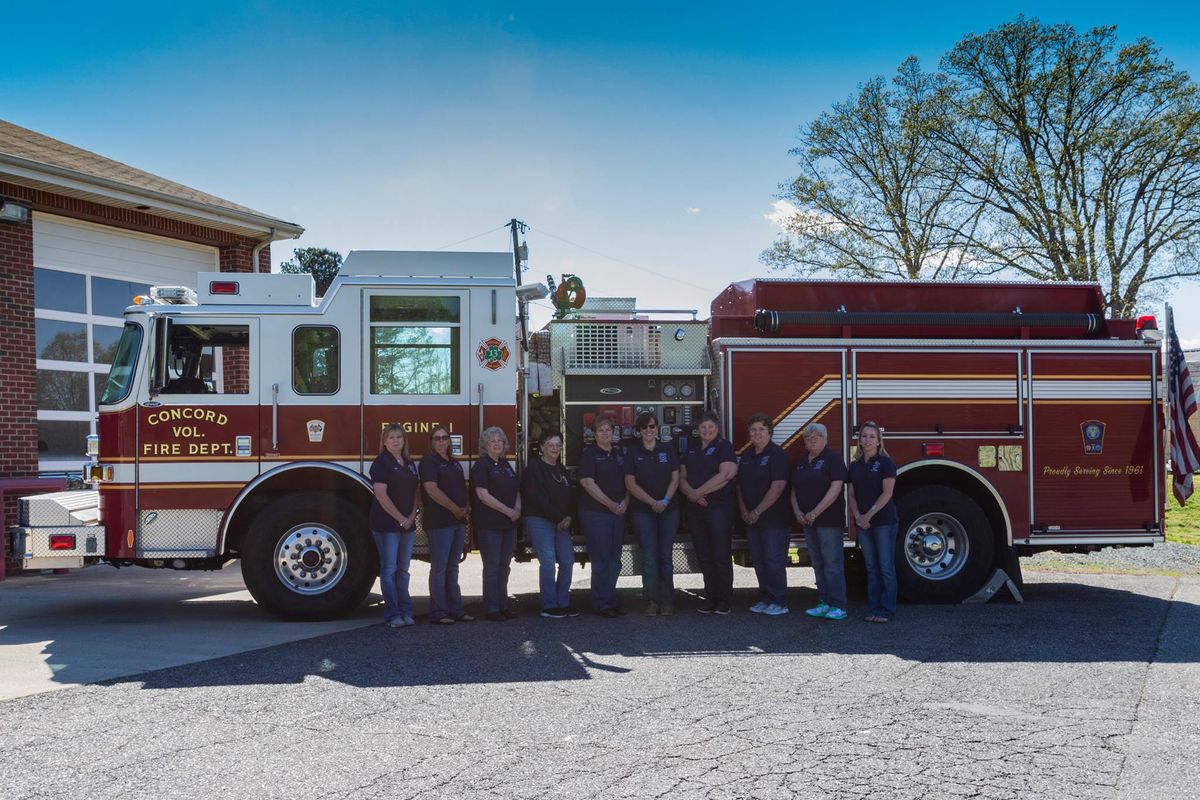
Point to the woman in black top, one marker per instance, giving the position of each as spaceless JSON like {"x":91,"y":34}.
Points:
{"x":602,"y":505}
{"x":762,"y":479}
{"x":444,"y":521}
{"x":872,"y":482}
{"x":817,"y":482}
{"x":651,"y":477}
{"x":548,"y":501}
{"x":392,"y":520}
{"x":496,"y":507}
{"x":706,"y":480}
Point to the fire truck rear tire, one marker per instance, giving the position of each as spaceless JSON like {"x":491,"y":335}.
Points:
{"x":309,"y":557}
{"x":946,"y":546}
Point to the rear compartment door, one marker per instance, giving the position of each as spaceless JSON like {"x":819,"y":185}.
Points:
{"x":1093,"y":446}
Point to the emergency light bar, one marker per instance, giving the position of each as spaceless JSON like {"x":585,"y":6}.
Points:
{"x":174,"y":295}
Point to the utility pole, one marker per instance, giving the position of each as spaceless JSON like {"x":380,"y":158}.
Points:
{"x":522,"y":432}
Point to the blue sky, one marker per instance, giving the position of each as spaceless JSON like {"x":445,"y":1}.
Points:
{"x":643,"y":143}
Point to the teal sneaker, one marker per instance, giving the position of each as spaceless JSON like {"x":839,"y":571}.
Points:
{"x":835,"y":613}
{"x":818,"y":610}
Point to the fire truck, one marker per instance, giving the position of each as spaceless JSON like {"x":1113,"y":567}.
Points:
{"x":239,"y":418}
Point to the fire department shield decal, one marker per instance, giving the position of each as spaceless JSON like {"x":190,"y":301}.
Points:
{"x":1093,"y":437}
{"x":492,"y":353}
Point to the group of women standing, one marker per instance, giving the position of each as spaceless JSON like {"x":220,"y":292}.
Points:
{"x":642,"y":481}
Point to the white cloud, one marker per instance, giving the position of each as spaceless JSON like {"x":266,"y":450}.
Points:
{"x":693,"y":210}
{"x":781,"y":212}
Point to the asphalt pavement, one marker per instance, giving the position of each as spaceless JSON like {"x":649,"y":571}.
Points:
{"x":1091,"y":689}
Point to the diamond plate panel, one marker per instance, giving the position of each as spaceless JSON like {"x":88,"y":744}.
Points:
{"x":628,"y":346}
{"x":178,"y":532}
{"x":683,"y":559}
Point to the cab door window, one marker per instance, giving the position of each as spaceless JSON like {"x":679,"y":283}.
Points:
{"x":207,"y":359}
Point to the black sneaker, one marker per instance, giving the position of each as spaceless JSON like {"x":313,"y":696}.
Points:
{"x":504,"y":612}
{"x":553,"y":613}
{"x":567,"y":612}
{"x":707,"y":608}
{"x":723,"y":610}
{"x":609,"y":613}
{"x":493,"y":616}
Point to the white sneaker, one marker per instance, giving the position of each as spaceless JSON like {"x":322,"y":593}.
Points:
{"x":759,"y":608}
{"x":818,"y":611}
{"x":775,"y":610}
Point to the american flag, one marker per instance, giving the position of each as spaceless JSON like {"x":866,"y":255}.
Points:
{"x":1185,"y":453}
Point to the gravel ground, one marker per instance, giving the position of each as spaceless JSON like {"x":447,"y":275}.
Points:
{"x":1168,"y":558}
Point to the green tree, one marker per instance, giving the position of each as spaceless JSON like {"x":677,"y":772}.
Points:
{"x":1038,"y":151}
{"x":874,"y":199}
{"x":323,"y":264}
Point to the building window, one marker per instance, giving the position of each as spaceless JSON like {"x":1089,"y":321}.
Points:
{"x":415,"y":345}
{"x":77,"y":325}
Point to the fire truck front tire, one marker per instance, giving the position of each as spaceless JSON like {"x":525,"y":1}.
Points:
{"x":309,"y":557}
{"x":946,"y":545}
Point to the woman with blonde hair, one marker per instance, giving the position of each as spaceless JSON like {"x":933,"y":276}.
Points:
{"x":393,"y":520}
{"x":872,"y":483}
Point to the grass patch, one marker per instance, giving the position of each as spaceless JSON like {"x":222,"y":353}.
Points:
{"x":1183,"y":524}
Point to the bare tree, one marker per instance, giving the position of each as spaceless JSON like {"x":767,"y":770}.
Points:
{"x":874,"y":198}
{"x":1083,"y":158}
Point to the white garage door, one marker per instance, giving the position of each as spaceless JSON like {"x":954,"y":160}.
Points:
{"x":84,"y":277}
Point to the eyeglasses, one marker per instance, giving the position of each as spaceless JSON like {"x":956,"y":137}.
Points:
{"x":440,"y":437}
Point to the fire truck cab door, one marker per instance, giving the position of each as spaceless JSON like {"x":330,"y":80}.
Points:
{"x":197,"y":444}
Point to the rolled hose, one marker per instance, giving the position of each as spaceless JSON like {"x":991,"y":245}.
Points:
{"x":772,"y":321}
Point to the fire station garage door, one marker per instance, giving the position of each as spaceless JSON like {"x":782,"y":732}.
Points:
{"x":85,"y":276}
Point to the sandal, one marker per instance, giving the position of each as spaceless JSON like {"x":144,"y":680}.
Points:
{"x":444,"y":621}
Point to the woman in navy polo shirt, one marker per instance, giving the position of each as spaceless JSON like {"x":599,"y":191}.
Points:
{"x":706,"y":480}
{"x":602,"y":506}
{"x":651,"y":477}
{"x":392,"y":520}
{"x":817,"y":482}
{"x":872,"y":481}
{"x":496,"y":507}
{"x":549,"y":501}
{"x":445,"y":524}
{"x":762,"y":479}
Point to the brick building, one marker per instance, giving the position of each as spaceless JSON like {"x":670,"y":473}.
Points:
{"x":80,"y":236}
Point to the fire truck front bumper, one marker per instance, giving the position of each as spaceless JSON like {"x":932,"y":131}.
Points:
{"x":58,"y":530}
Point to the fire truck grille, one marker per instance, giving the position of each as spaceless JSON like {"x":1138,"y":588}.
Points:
{"x":178,"y":532}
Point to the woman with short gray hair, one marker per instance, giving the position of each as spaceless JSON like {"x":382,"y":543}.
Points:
{"x":496,"y":507}
{"x":817,"y":482}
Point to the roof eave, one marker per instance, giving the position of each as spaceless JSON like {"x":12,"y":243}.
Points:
{"x":257,"y":225}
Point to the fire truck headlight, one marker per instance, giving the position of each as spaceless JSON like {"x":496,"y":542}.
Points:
{"x":92,"y":448}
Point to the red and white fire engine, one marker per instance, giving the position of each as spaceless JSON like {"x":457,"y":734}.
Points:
{"x":238,"y":419}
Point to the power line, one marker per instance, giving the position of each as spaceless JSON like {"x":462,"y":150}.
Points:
{"x":620,"y":260}
{"x":471,"y":238}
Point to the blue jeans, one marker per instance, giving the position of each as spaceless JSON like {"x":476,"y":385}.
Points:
{"x":828,"y":562}
{"x":878,"y":545}
{"x":554,"y":549}
{"x":656,"y":536}
{"x":445,"y":551}
{"x":603,"y":532}
{"x":712,"y":537}
{"x":395,"y":554}
{"x":496,"y":548}
{"x":769,"y":551}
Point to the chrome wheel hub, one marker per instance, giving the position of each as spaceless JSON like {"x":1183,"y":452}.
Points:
{"x":310,"y":559}
{"x":936,"y":546}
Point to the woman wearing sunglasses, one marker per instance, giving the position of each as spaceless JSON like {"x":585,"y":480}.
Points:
{"x":445,"y":524}
{"x":652,"y":476}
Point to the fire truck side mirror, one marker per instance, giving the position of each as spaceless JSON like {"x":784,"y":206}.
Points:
{"x":159,"y":356}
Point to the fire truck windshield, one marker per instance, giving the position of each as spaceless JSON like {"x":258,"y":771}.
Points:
{"x":120,"y":377}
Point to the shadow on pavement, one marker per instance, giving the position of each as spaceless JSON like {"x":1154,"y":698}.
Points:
{"x":1060,"y":623}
